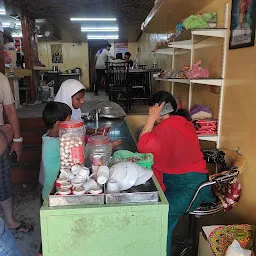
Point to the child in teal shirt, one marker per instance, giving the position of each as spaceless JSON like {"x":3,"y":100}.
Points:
{"x":53,"y":114}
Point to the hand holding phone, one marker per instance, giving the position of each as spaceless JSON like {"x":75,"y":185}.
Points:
{"x":154,"y":111}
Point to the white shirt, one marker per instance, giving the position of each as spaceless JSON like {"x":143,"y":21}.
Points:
{"x":102,"y":58}
{"x":6,"y":97}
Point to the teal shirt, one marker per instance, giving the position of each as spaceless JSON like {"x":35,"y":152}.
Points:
{"x":50,"y":162}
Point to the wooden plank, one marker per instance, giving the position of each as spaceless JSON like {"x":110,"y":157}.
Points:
{"x":166,"y":13}
{"x":19,"y":72}
{"x":28,"y":124}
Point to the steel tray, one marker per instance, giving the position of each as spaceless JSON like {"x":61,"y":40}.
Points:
{"x":139,"y":194}
{"x":56,"y":200}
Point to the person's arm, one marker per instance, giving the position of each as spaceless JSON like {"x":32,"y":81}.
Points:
{"x":11,"y":114}
{"x":51,"y":164}
{"x":153,"y":115}
{"x":148,"y":140}
{"x":13,"y":120}
{"x":110,"y":55}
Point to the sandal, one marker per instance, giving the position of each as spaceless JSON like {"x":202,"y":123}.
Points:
{"x":23,"y":226}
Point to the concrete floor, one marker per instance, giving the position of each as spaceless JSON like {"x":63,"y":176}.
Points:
{"x":27,"y":206}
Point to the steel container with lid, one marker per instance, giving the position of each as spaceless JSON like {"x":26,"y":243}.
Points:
{"x":71,"y":143}
{"x":98,"y":145}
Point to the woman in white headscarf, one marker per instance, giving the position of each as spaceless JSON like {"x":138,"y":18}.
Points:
{"x":72,"y":93}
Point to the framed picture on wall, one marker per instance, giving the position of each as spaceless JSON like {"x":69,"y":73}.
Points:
{"x":56,"y":51}
{"x":242,"y":24}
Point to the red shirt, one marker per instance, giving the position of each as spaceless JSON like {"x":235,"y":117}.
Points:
{"x":175,"y":147}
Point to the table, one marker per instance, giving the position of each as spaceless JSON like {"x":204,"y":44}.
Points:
{"x":16,"y":90}
{"x":109,"y":230}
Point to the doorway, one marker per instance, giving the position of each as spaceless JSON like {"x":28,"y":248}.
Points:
{"x":93,"y":47}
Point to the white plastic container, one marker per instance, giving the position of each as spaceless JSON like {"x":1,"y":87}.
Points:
{"x":71,"y":143}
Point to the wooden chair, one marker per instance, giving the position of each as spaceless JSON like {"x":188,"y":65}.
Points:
{"x":119,"y":86}
{"x":140,"y":85}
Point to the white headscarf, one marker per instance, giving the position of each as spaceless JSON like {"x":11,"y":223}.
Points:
{"x":68,"y":89}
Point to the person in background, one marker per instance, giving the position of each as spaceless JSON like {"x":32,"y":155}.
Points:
{"x":102,"y":56}
{"x":9,"y":134}
{"x":119,"y":56}
{"x":53,"y":114}
{"x":179,"y":165}
{"x":127,"y":57}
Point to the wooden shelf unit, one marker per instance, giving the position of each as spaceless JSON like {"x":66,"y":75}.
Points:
{"x":166,"y":13}
{"x":191,"y":90}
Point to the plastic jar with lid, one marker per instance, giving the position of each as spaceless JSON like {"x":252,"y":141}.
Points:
{"x":98,"y":146}
{"x":71,"y":143}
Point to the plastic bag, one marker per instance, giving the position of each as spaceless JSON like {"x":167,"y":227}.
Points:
{"x":197,"y":72}
{"x":144,"y":160}
{"x":205,"y":20}
{"x":236,"y":250}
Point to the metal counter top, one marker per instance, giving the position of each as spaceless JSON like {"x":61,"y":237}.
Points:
{"x":119,"y":130}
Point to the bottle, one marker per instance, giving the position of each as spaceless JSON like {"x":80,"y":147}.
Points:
{"x":154,"y":62}
{"x":11,"y":70}
{"x":136,"y":62}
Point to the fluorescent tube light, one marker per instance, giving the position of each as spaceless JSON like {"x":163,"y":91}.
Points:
{"x":2,"y":13}
{"x":93,"y":19}
{"x":39,"y":35}
{"x":17,"y":35}
{"x":18,"y":23}
{"x":103,"y":37}
{"x":100,"y":29}
{"x":6,"y":25}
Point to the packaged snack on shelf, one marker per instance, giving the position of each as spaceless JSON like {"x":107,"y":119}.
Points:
{"x":197,"y":72}
{"x":205,"y":20}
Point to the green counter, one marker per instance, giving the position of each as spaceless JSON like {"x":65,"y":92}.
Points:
{"x":105,"y":230}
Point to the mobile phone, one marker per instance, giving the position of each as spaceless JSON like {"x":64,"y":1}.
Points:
{"x":167,"y":109}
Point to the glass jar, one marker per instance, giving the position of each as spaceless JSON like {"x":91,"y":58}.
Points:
{"x":71,"y":143}
{"x":98,"y":147}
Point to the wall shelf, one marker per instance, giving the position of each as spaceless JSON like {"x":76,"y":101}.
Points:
{"x":205,"y":45}
{"x":186,"y":44}
{"x":215,"y":82}
{"x":163,"y":16}
{"x":213,"y":138}
{"x":177,"y":80}
{"x":170,"y":51}
{"x":211,"y":32}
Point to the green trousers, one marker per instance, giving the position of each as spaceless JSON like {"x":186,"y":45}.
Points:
{"x":180,"y":190}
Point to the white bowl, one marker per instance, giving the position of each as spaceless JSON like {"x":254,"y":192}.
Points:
{"x":144,"y":178}
{"x":118,"y":172}
{"x":131,"y":176}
